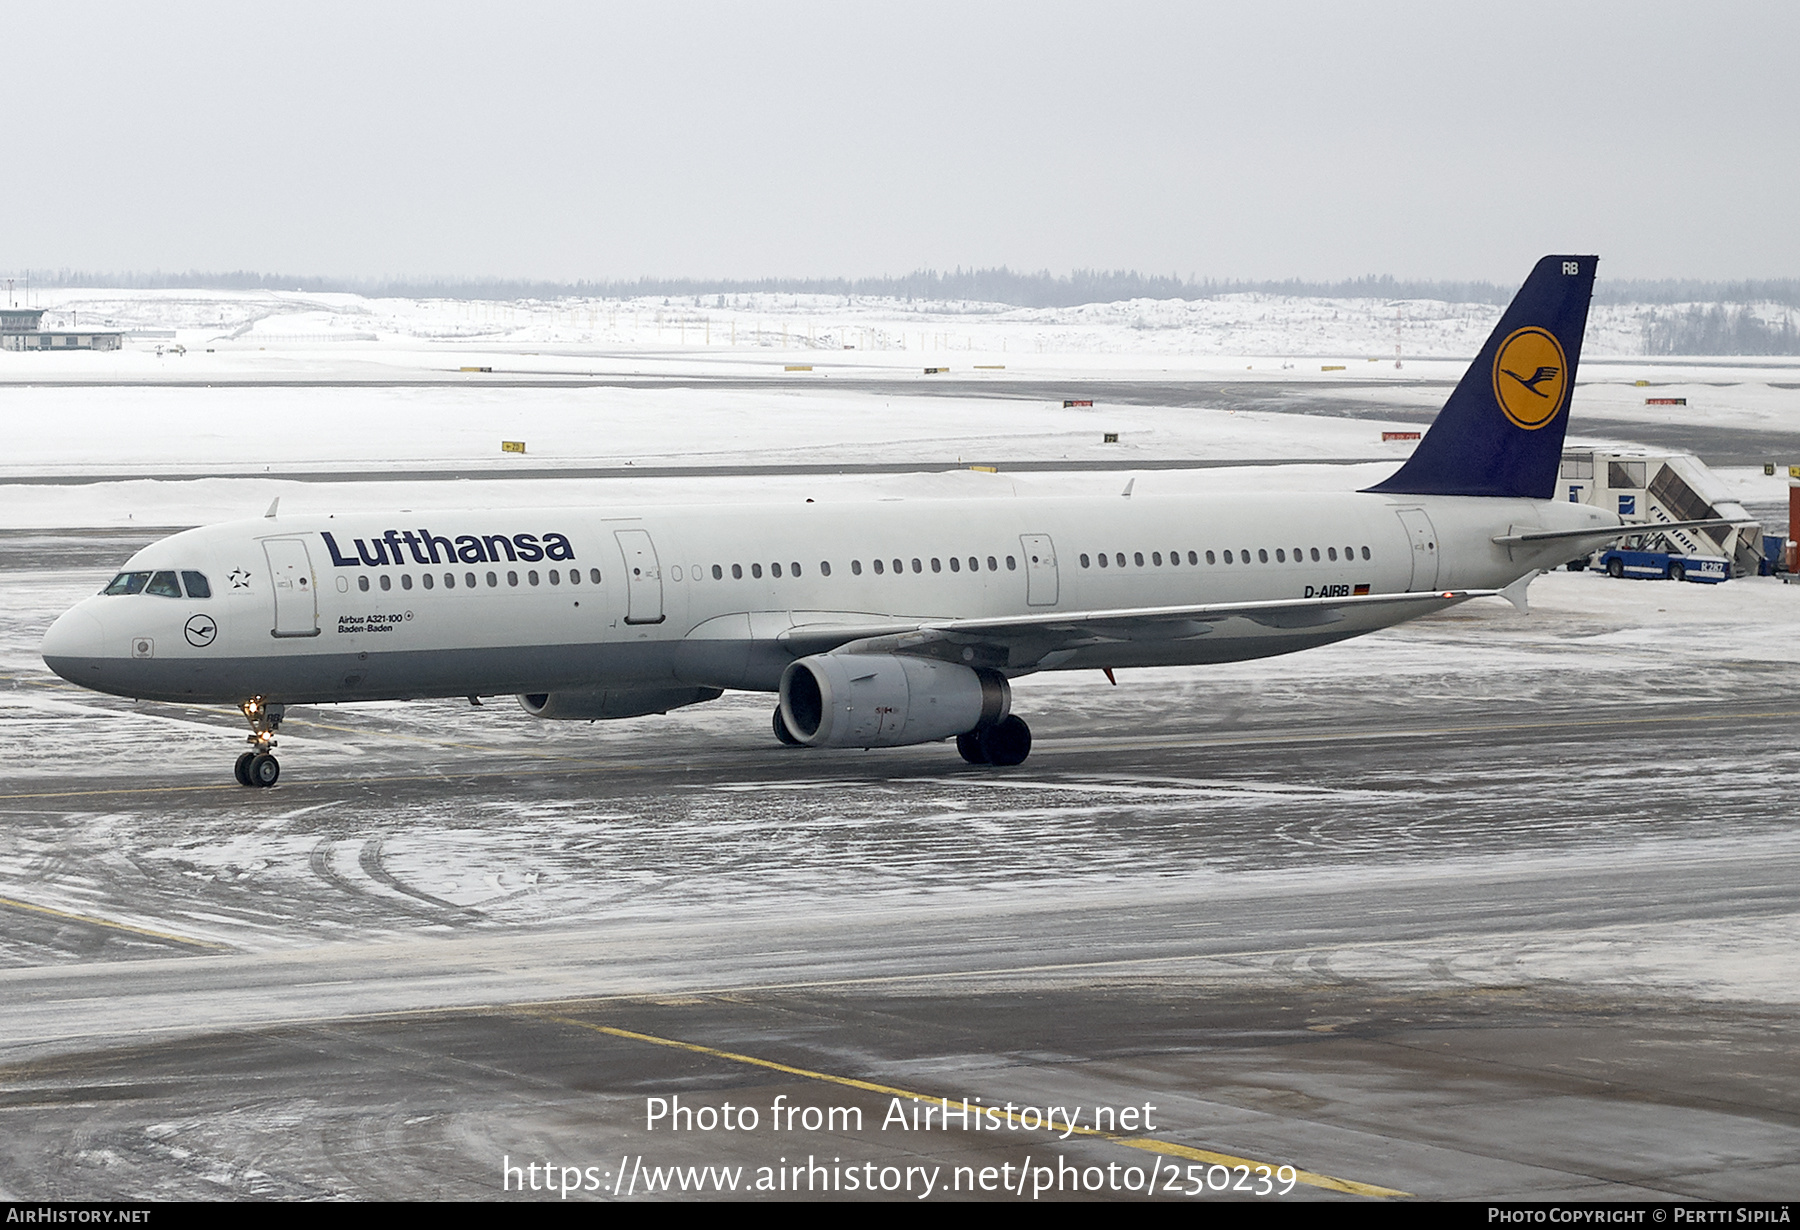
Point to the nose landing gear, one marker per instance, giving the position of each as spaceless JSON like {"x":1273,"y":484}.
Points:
{"x":258,"y":766}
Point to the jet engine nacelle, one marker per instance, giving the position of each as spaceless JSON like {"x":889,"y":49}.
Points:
{"x":612,"y":703}
{"x":879,"y":700}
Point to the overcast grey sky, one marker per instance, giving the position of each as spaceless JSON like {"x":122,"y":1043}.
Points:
{"x":568,"y":141}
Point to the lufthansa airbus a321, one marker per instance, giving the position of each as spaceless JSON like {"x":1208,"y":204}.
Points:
{"x":876,"y":624}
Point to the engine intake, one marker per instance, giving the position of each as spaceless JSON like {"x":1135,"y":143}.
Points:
{"x":885,"y":700}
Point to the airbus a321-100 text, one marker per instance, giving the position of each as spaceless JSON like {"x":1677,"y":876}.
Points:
{"x":876,"y":624}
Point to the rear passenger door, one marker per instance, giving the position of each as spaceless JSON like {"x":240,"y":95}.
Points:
{"x":1423,"y":540}
{"x":1040,"y":569}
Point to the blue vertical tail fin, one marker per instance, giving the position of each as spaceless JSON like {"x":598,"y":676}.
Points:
{"x":1501,"y":432}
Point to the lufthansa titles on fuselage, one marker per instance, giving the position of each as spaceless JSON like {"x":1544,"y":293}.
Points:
{"x":423,"y":546}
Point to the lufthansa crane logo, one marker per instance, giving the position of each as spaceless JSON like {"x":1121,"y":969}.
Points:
{"x":200,"y":631}
{"x":1531,"y":377}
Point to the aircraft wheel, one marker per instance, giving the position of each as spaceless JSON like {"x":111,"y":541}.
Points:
{"x":264,"y":769}
{"x":1615,"y":568}
{"x":1006,"y":742}
{"x":1677,"y":571}
{"x":969,"y":747}
{"x":242,"y":769}
{"x":782,"y":732}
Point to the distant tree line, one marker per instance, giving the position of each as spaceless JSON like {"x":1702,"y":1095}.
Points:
{"x":1718,"y":330}
{"x":1002,"y":285}
{"x":1785,"y":291}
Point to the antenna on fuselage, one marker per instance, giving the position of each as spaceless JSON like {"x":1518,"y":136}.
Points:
{"x":273,"y":505}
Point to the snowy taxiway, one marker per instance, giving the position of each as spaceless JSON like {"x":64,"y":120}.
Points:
{"x":1489,"y":905}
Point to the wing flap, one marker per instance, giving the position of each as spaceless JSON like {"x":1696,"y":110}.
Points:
{"x":1049,"y":631}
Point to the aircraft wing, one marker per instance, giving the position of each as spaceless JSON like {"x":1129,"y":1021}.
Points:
{"x":1025,"y":640}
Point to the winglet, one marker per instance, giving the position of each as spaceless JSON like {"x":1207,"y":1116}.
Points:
{"x":273,"y":505}
{"x":1515,"y":593}
{"x":1501,"y":432}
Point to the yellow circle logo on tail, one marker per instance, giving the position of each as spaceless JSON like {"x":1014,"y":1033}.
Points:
{"x":1531,"y":377}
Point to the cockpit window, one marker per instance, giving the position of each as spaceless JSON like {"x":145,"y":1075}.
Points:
{"x":196,"y":585}
{"x":127,"y":583}
{"x":163,"y":585}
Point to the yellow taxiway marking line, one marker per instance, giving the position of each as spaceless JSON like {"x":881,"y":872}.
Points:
{"x":1149,"y":1144}
{"x":51,"y":912}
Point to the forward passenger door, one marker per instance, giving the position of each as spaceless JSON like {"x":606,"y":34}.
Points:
{"x":296,"y":597}
{"x":643,"y":577}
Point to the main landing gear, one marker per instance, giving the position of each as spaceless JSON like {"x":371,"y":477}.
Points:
{"x":783,"y":735}
{"x":258,"y":766}
{"x":1007,"y":742}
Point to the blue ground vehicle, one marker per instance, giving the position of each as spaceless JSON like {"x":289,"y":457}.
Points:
{"x":1663,"y":565}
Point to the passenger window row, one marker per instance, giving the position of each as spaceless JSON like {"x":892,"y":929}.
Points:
{"x":161,"y":584}
{"x":471,"y":581}
{"x":756,"y":570}
{"x":1241,"y":556}
{"x":880,"y":566}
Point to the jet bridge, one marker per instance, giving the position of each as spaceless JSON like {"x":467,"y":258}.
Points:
{"x":1654,"y":489}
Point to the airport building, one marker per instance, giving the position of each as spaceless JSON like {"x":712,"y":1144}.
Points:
{"x":20,"y":329}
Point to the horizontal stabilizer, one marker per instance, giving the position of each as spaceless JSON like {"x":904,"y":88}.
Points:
{"x":1608,"y":533}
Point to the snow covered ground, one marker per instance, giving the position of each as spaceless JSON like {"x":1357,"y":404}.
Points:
{"x":1229,"y":325}
{"x":151,"y":430}
{"x":241,"y":383}
{"x":285,"y":397}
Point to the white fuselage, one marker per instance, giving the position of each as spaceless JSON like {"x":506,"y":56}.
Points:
{"x":313,"y":609}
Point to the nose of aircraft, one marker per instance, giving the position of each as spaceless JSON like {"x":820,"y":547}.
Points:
{"x":75,"y":639}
